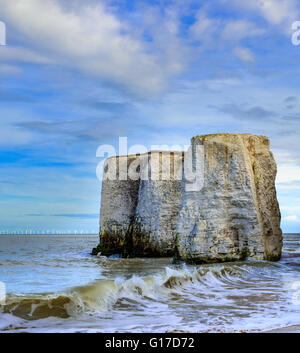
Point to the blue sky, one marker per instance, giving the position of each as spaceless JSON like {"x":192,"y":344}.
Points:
{"x":77,"y":74}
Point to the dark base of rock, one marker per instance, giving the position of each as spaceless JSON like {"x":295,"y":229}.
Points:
{"x":107,"y":250}
{"x":205,"y":261}
{"x":128,"y":252}
{"x":133,"y":243}
{"x":200,"y":260}
{"x":272,"y":257}
{"x":103,"y":250}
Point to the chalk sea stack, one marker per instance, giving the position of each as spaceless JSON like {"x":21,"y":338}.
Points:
{"x":233,"y":213}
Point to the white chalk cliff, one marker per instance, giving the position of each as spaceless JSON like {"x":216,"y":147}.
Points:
{"x":230,"y":210}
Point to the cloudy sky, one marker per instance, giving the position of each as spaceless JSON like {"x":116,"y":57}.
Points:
{"x":77,"y":74}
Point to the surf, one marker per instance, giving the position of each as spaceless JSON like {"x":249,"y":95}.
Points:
{"x":100,"y":296}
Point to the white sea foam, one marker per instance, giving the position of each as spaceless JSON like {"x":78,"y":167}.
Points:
{"x":148,"y":295}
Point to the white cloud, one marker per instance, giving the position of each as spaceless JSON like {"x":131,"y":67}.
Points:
{"x":12,"y":136}
{"x":239,"y":29}
{"x":9,"y":69}
{"x":290,"y":208}
{"x":284,"y":157}
{"x":204,"y":27}
{"x":215,"y":32}
{"x":276,"y":12}
{"x":92,"y":39}
{"x":292,"y":218}
{"x":244,"y":54}
{"x":288,"y":173}
{"x":19,"y":54}
{"x":164,"y":30}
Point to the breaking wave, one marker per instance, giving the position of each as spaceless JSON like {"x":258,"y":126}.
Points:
{"x":100,"y":296}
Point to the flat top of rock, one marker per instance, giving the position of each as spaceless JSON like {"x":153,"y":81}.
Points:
{"x":220,"y":134}
{"x":232,"y":137}
{"x":148,"y":153}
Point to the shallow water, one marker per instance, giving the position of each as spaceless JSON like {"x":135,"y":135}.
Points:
{"x":54,"y":285}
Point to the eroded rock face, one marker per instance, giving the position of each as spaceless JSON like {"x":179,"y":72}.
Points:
{"x":139,"y":215}
{"x":159,"y":199}
{"x":235,"y":214}
{"x":229,"y":212}
{"x":118,"y":203}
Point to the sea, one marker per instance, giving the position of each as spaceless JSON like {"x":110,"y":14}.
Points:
{"x":52,"y":283}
